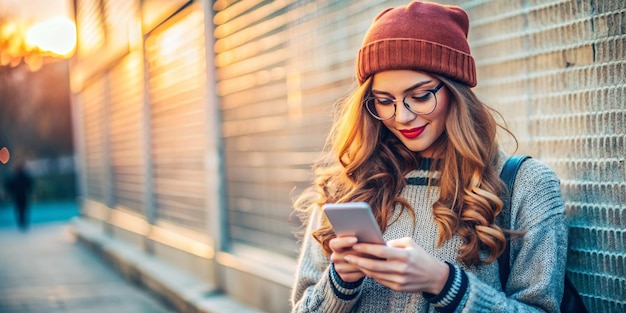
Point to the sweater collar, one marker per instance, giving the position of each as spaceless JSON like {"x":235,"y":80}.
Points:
{"x":421,"y":175}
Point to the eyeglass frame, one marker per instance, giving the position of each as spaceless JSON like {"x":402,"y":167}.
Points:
{"x":406,"y":105}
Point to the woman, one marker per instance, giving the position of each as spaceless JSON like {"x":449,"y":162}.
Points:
{"x":415,"y":143}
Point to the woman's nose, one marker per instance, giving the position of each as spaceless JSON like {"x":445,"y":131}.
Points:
{"x":403,"y":114}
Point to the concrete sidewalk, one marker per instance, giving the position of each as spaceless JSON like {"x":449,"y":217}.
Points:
{"x":64,"y":263}
{"x":39,"y":213}
{"x":43,"y":270}
{"x":185,"y":292}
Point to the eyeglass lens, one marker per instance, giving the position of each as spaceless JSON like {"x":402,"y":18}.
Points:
{"x":418,"y":102}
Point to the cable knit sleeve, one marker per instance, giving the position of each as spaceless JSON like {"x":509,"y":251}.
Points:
{"x":317,"y":287}
{"x":538,"y":257}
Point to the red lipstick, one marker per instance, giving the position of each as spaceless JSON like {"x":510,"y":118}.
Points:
{"x":413,"y":132}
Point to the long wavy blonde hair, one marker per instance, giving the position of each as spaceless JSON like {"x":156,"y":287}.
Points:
{"x":364,"y":161}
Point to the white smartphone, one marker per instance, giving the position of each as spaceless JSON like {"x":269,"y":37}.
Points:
{"x":354,"y":219}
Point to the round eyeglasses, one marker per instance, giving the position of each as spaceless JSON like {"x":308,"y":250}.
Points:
{"x":418,"y":102}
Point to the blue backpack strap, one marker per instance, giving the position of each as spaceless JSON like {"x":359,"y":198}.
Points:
{"x":572,"y":301}
{"x":508,"y":174}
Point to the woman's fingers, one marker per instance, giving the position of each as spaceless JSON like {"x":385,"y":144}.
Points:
{"x":342,"y":243}
{"x":399,"y":249}
{"x":392,"y":274}
{"x":341,"y":247}
{"x":376,"y":265}
{"x":407,"y":266}
{"x":405,"y":242}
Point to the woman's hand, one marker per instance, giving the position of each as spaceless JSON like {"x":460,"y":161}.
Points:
{"x":408,"y":267}
{"x":342,"y":247}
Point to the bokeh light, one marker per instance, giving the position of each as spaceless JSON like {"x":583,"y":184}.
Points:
{"x":5,"y":156}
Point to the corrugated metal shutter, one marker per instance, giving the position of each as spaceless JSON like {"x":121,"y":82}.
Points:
{"x":90,"y":26}
{"x":278,"y":84}
{"x":93,"y":101}
{"x":175,"y":53}
{"x":118,"y":16}
{"x":125,"y":132}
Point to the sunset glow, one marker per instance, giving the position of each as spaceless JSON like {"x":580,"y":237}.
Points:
{"x":56,"y":35}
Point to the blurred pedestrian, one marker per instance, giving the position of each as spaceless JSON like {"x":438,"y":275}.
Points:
{"x":18,"y":185}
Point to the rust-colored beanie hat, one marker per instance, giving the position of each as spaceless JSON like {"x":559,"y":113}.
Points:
{"x":421,"y":36}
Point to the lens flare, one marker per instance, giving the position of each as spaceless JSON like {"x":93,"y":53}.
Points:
{"x":56,"y":35}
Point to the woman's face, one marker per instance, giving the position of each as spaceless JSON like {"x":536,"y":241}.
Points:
{"x":418,"y":132}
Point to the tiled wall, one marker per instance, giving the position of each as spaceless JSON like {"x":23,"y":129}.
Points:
{"x":556,"y":69}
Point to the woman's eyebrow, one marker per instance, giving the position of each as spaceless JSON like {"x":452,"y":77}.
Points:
{"x":420,"y":84}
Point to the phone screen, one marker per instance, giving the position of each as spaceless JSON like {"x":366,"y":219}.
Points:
{"x":354,"y":219}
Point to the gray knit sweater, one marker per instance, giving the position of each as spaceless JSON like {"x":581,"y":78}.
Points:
{"x":537,"y":260}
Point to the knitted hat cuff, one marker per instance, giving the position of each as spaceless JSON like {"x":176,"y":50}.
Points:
{"x":406,"y":53}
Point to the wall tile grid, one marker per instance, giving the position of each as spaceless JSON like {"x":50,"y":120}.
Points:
{"x":556,"y":71}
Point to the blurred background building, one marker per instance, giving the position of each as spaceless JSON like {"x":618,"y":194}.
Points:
{"x":196,"y":123}
{"x":35,"y":111}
